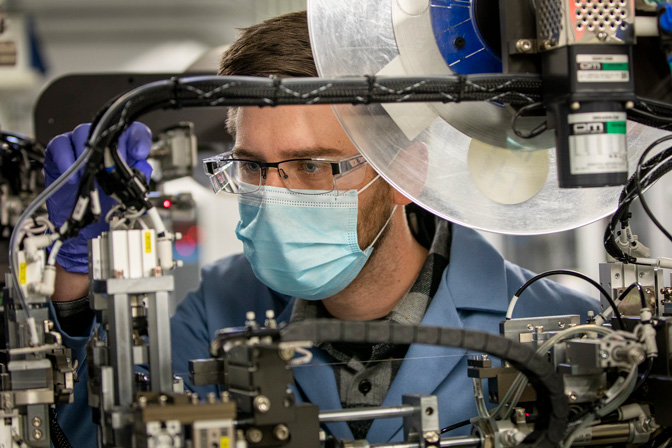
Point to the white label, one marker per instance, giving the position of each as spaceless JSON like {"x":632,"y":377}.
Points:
{"x":620,"y":58}
{"x":602,"y":68}
{"x":597,"y":143}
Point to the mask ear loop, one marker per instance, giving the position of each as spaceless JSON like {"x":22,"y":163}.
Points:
{"x":386,"y":223}
{"x":368,"y":185}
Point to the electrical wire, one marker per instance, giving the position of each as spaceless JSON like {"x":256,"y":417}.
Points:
{"x":625,"y":293}
{"x":534,"y":132}
{"x":516,"y":296}
{"x":640,"y":192}
{"x":520,"y":381}
{"x":30,"y":210}
{"x":647,"y":173}
{"x":619,"y":393}
{"x":455,"y":426}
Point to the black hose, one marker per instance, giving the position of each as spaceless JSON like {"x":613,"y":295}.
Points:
{"x":603,"y":291}
{"x":455,"y":426}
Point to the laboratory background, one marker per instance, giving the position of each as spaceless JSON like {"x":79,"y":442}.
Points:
{"x":65,"y":37}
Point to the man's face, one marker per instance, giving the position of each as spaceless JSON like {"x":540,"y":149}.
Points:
{"x":288,"y":132}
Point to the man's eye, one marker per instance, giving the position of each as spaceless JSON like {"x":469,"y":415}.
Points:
{"x":250,"y":167}
{"x":311,"y":167}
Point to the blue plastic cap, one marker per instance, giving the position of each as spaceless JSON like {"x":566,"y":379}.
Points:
{"x":665,"y":19}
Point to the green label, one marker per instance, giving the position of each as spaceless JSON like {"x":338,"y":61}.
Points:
{"x":614,"y":66}
{"x":616,"y":127}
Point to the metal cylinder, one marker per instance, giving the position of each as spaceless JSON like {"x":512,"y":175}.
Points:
{"x":452,"y":442}
{"x":366,"y":413}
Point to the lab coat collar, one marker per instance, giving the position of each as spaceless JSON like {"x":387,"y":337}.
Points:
{"x":476,"y":276}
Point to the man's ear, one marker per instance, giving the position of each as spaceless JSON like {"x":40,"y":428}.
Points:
{"x":410,"y":167}
{"x":399,"y":198}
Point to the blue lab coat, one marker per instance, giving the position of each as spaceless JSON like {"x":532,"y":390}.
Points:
{"x":474,"y":293}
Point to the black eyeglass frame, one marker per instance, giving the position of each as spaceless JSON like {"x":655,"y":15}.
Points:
{"x":338,"y":167}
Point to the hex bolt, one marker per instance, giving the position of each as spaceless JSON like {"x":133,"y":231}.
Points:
{"x":37,"y":421}
{"x":262,"y":404}
{"x":281,"y":432}
{"x":254,"y":435}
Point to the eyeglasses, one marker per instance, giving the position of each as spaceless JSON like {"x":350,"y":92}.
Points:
{"x":306,"y":176}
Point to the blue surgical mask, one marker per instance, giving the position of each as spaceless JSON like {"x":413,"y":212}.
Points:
{"x":303,"y":245}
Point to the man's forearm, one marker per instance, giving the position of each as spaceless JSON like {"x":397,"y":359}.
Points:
{"x":69,"y":285}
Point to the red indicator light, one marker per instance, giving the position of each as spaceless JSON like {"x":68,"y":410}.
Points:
{"x":167,"y":203}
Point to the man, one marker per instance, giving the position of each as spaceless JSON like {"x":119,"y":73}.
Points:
{"x":348,"y":252}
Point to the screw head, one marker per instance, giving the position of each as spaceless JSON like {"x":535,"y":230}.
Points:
{"x":281,"y":432}
{"x":572,"y":396}
{"x":575,"y":105}
{"x":602,"y":36}
{"x":37,"y":421}
{"x":37,"y":434}
{"x":459,"y":42}
{"x":254,"y":435}
{"x":431,"y":437}
{"x":262,"y":404}
{"x":524,"y":45}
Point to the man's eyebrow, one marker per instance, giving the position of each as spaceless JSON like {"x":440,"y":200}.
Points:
{"x":243,"y":153}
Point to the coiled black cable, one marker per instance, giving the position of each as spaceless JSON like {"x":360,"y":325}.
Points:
{"x":58,"y":437}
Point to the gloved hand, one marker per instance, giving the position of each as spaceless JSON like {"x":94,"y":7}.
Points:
{"x":134,"y":145}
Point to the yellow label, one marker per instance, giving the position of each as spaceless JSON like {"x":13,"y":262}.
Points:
{"x":224,"y":442}
{"x":22,"y":273}
{"x":148,"y":242}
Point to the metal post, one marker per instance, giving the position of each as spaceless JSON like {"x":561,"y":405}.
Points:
{"x":121,"y":348}
{"x":160,"y":358}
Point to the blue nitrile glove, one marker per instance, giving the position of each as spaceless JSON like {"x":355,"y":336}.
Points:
{"x":134,"y":145}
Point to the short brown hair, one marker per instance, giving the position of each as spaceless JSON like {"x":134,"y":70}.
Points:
{"x":275,"y":47}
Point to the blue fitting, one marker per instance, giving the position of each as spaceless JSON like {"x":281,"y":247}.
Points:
{"x":665,"y":17}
